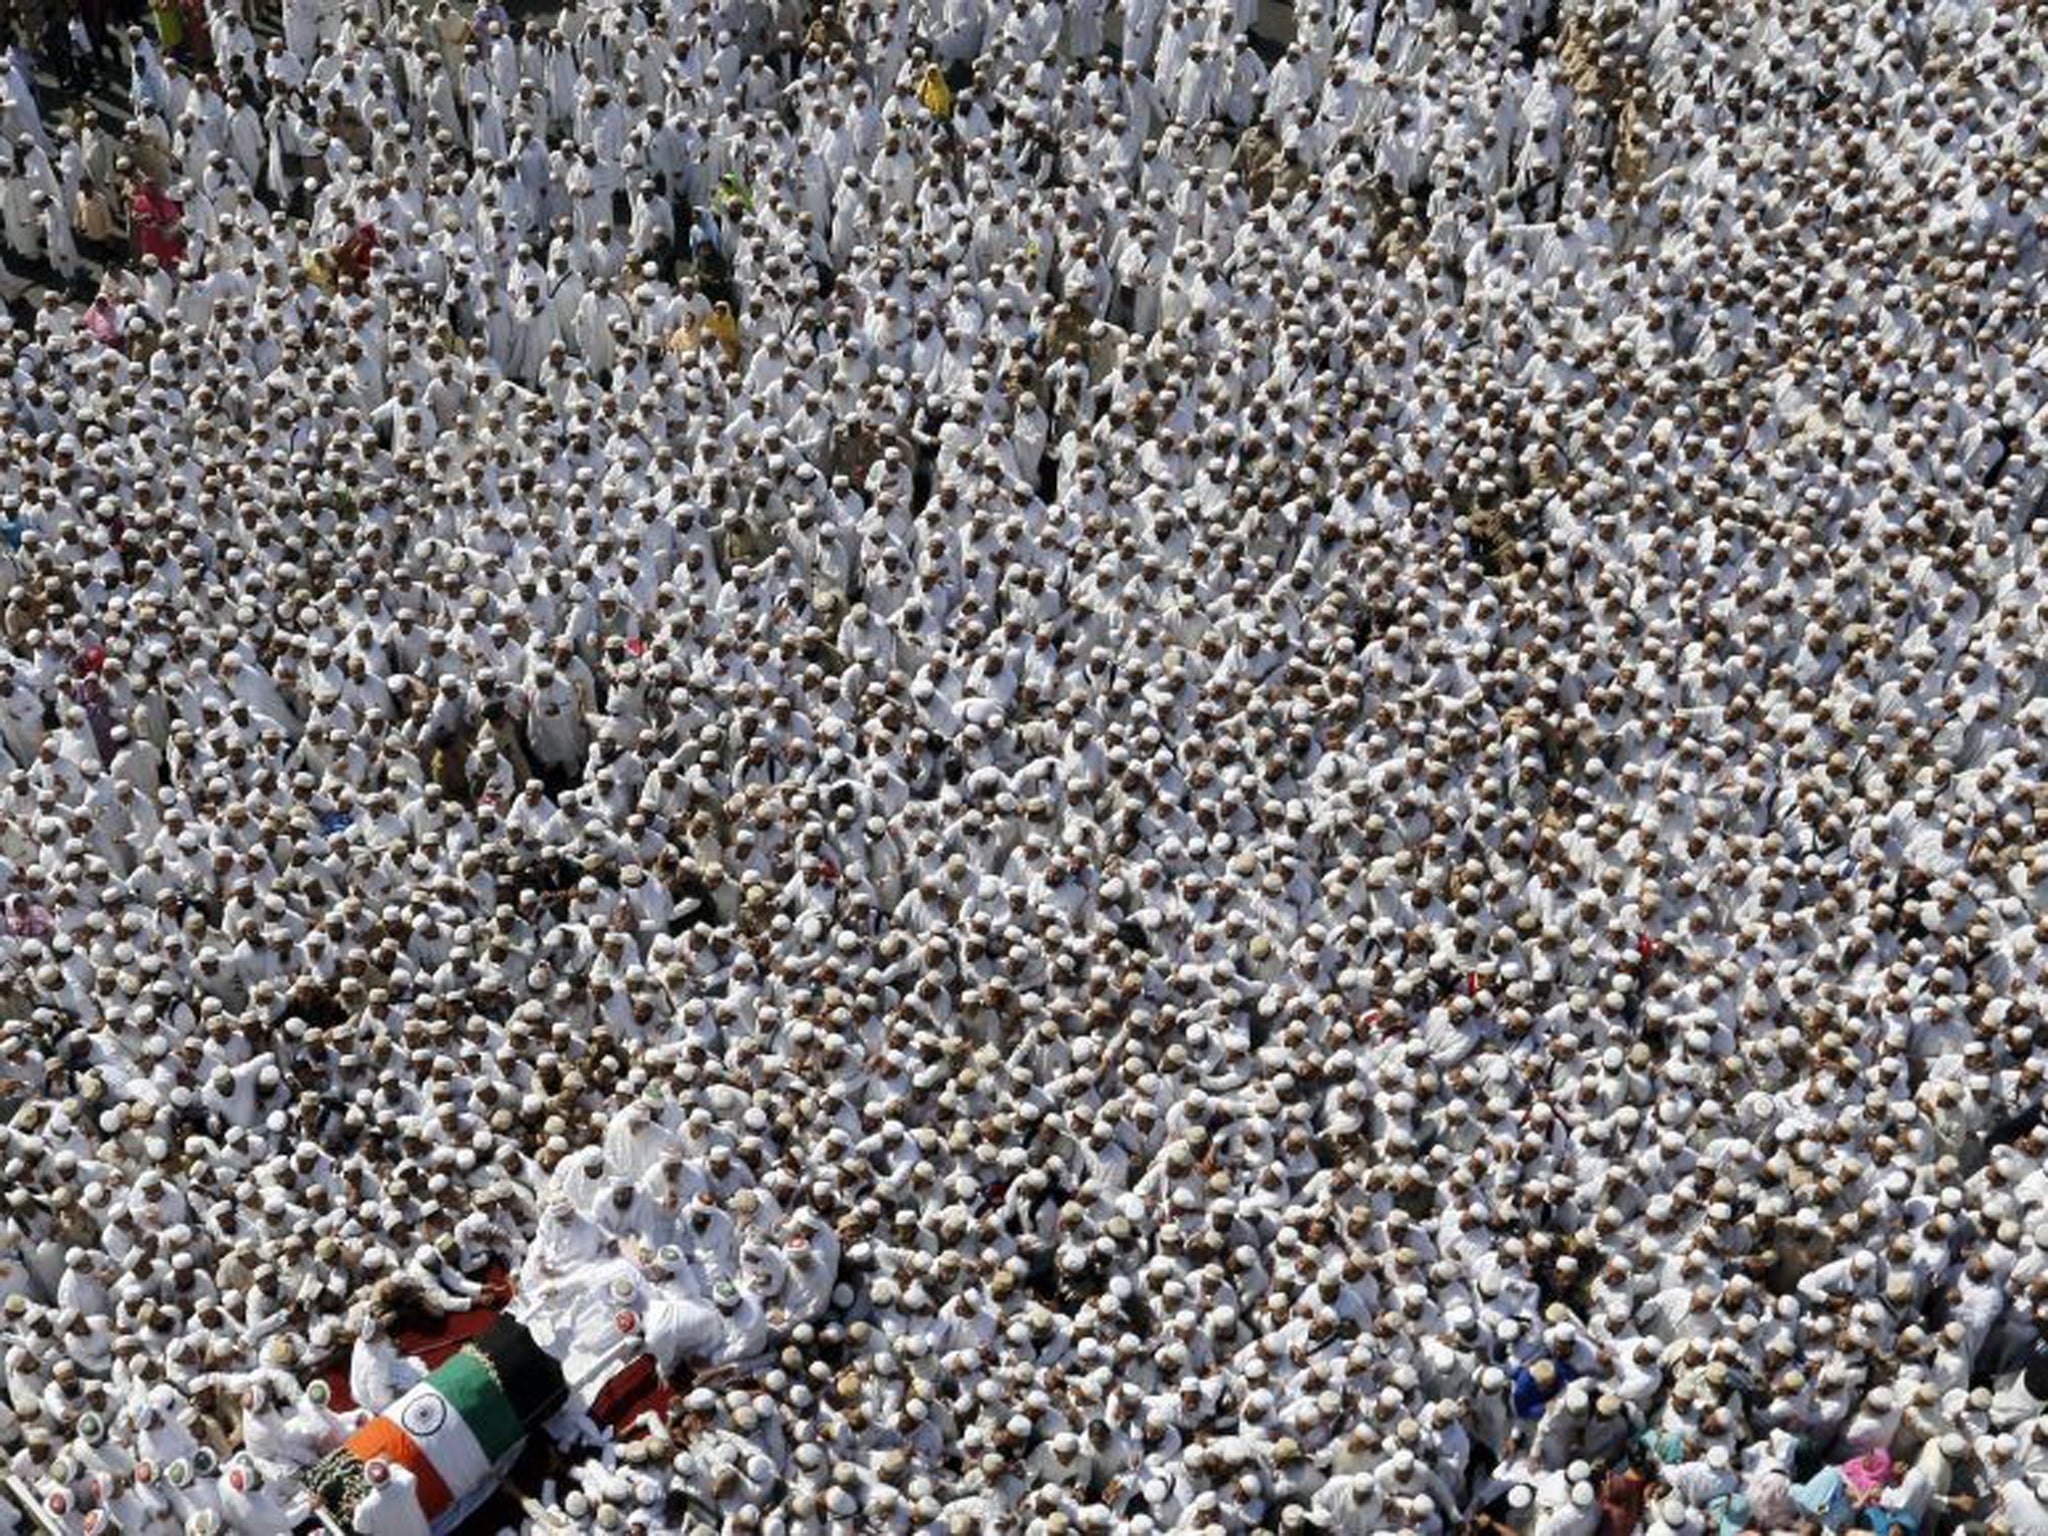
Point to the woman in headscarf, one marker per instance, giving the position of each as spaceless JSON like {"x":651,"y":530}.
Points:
{"x":155,"y":220}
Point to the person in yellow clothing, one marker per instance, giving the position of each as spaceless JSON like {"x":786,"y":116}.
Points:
{"x":170,"y":24}
{"x":936,"y":95}
{"x":721,"y":329}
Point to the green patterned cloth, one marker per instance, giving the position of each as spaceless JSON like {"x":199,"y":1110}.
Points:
{"x":339,"y":1483}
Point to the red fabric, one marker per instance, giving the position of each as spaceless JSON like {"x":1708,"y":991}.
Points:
{"x":356,"y":252}
{"x":155,"y":219}
{"x":631,"y":1395}
{"x":198,"y":41}
{"x":151,"y":202}
{"x":1622,"y":1499}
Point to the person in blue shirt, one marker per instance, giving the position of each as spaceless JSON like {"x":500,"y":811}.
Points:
{"x":1536,"y":1383}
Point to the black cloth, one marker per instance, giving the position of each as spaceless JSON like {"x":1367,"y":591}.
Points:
{"x":531,"y":1377}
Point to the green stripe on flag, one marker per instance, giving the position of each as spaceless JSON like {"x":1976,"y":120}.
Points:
{"x":473,"y":1391}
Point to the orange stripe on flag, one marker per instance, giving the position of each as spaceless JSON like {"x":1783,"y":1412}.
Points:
{"x":381,"y":1437}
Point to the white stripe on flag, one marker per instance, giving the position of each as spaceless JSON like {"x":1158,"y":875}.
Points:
{"x":451,"y":1445}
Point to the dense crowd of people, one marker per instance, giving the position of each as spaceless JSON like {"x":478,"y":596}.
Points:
{"x":1199,"y":775}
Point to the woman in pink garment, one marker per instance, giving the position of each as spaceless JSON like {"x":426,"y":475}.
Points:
{"x":156,"y":218}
